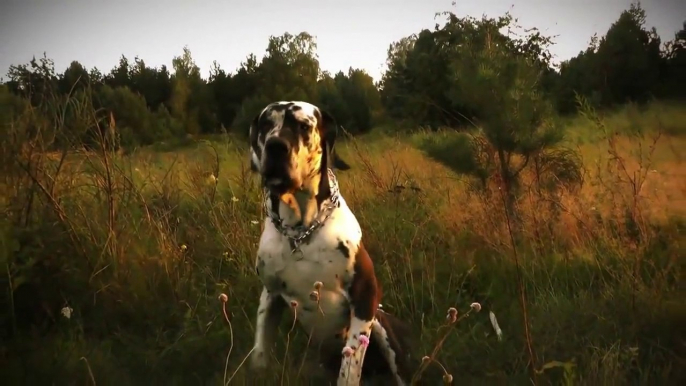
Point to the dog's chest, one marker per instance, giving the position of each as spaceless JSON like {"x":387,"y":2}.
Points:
{"x":328,"y":257}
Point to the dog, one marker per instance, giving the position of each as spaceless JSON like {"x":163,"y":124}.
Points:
{"x":310,"y":257}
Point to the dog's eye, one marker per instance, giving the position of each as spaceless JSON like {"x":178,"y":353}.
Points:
{"x":305,"y":126}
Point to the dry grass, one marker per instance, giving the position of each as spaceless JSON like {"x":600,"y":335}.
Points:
{"x":141,"y":246}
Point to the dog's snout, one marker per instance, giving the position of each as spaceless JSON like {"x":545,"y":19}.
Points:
{"x":277,"y":147}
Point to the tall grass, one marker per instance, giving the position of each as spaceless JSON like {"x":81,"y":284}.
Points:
{"x":141,"y":246}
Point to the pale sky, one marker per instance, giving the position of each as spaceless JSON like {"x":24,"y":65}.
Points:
{"x":354,"y":33}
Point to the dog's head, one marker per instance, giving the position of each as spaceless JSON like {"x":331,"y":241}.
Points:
{"x":292,"y":144}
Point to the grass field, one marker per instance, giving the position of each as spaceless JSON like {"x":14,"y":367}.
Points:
{"x":141,"y":246}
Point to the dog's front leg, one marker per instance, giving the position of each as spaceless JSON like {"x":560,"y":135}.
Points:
{"x":269,"y":313}
{"x":363,"y":294}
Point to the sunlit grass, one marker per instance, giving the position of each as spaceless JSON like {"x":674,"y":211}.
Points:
{"x":142,"y":255}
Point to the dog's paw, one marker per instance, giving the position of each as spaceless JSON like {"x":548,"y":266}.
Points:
{"x":258,"y":360}
{"x":351,"y":367}
{"x":350,"y":380}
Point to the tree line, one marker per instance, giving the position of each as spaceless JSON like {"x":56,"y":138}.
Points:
{"x":465,"y":72}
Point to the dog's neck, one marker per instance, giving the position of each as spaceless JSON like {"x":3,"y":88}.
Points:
{"x":301,"y":207}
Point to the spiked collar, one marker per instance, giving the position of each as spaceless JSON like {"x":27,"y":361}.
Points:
{"x":298,"y":234}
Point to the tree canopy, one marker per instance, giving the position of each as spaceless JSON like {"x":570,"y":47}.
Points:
{"x":462,"y":72}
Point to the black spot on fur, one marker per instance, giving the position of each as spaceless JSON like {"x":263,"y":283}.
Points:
{"x":343,"y":249}
{"x":274,"y":200}
{"x":260,"y":264}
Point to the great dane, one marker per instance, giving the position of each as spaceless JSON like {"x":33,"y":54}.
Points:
{"x":310,"y":258}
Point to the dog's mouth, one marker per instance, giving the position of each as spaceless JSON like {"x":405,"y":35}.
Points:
{"x":278,"y":185}
{"x":278,"y":180}
{"x":278,"y":174}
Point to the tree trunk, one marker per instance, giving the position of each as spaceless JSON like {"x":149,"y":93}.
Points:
{"x":507,"y":185}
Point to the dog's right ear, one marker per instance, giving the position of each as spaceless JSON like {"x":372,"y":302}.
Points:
{"x":330,"y":132}
{"x":255,"y":150}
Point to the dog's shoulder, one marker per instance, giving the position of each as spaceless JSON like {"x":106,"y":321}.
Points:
{"x":341,"y":229}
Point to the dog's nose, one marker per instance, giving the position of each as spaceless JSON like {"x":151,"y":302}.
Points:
{"x":277,"y":147}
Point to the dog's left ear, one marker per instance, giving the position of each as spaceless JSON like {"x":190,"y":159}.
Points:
{"x":255,"y":151}
{"x":329,"y":132}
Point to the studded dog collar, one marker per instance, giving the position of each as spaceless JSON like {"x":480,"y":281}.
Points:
{"x":298,"y":234}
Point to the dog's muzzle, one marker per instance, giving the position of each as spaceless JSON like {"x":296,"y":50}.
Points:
{"x":276,"y":168}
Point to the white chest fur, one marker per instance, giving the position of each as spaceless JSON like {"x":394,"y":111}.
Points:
{"x":328,"y":257}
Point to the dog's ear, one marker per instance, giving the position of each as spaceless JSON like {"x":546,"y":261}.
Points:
{"x":329,"y":133}
{"x":255,"y":150}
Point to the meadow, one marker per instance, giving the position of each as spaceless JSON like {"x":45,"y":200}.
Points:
{"x":136,"y":249}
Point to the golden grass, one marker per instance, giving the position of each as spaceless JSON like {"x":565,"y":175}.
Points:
{"x":142,"y":248}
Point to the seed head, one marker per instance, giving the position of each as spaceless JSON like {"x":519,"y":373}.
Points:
{"x":447,"y":379}
{"x":475,"y":306}
{"x":426,"y":359}
{"x":67,"y":311}
{"x":294,"y":304}
{"x":223,"y":298}
{"x":314,"y":296}
{"x":183,"y":247}
{"x":317,"y":285}
{"x":452,"y":315}
{"x":347,"y":351}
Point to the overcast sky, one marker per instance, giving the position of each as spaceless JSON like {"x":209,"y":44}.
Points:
{"x":354,"y":33}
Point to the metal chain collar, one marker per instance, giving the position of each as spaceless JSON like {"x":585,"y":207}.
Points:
{"x":298,"y":234}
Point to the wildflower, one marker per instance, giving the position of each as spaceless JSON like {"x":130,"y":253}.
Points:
{"x":234,"y":199}
{"x":183,"y":247}
{"x":364,"y":340}
{"x":317,"y":285}
{"x":223,"y":298}
{"x":447,"y":379}
{"x":347,"y":351}
{"x":225,"y":254}
{"x":294,"y":304}
{"x":452,"y":315}
{"x":67,"y":311}
{"x":475,"y":306}
{"x":426,"y":359}
{"x":314,"y":295}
